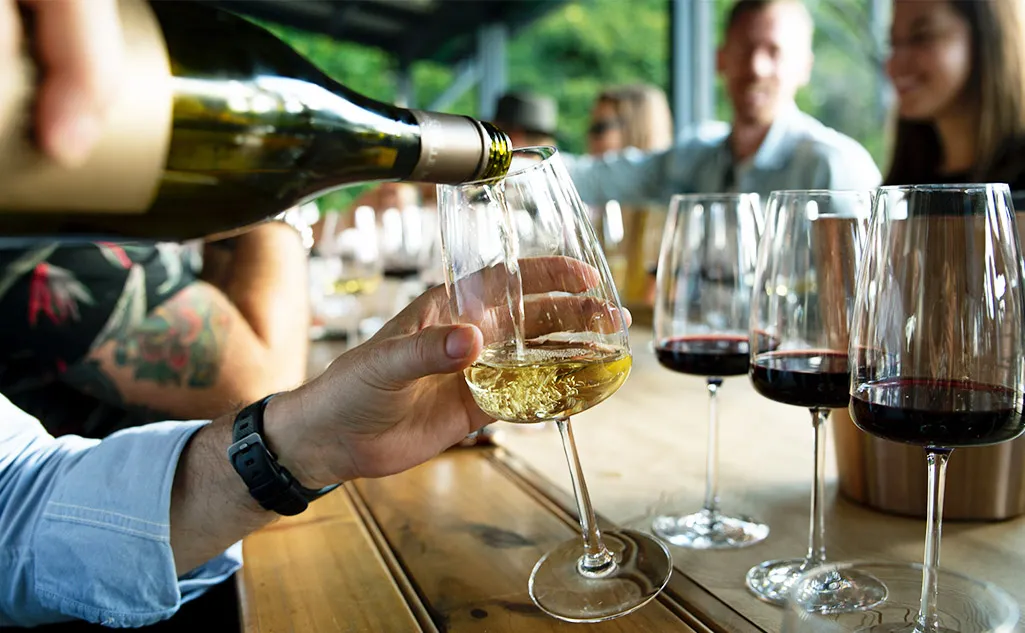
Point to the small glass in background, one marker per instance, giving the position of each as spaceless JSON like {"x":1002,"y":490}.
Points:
{"x":347,"y":272}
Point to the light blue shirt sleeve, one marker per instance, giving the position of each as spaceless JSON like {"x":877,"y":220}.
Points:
{"x":630,"y":176}
{"x":635,"y":177}
{"x":84,"y":525}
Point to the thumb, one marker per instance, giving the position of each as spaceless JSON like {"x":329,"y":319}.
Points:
{"x":440,"y":349}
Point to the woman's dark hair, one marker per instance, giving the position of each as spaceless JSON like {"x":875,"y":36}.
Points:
{"x":997,"y":80}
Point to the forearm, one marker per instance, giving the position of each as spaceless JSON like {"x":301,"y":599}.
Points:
{"x":210,"y":505}
{"x":267,"y":283}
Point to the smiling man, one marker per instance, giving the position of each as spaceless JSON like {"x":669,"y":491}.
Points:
{"x":765,"y":58}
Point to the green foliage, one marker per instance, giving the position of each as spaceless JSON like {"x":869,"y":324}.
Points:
{"x":583,"y":46}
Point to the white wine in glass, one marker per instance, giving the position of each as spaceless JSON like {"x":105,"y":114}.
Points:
{"x":552,"y":380}
{"x":522,"y":263}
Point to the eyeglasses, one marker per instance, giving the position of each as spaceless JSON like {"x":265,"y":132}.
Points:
{"x":605,"y":125}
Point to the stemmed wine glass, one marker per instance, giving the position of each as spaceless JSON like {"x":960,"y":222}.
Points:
{"x":702,"y":307}
{"x":937,"y":350}
{"x":804,"y":293}
{"x":968,"y":605}
{"x":523,"y":263}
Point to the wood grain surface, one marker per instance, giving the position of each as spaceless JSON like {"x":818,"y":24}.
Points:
{"x":320,"y":572}
{"x":448,"y":546}
{"x":643,"y":453}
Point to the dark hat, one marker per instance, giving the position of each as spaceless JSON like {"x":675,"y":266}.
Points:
{"x":527,"y":111}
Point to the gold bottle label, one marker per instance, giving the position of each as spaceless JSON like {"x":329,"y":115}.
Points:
{"x":122,"y":173}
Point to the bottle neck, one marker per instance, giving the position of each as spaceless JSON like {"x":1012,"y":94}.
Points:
{"x":458,"y":149}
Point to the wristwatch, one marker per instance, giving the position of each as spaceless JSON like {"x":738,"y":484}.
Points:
{"x":269,"y":482}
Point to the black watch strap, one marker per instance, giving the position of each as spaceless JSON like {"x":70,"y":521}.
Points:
{"x":269,"y":482}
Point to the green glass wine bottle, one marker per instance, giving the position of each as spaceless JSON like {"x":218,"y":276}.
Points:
{"x":219,"y":125}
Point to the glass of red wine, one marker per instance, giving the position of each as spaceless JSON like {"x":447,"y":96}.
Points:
{"x":938,"y":338}
{"x":703,"y":297}
{"x":803,"y":296}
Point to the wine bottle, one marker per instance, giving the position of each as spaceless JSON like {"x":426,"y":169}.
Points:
{"x":218,"y":125}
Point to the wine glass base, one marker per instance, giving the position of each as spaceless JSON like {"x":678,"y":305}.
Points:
{"x":709,"y":529}
{"x":904,"y":627}
{"x":836,"y":592}
{"x":642,"y":568}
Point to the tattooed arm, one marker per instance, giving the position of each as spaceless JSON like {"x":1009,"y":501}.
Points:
{"x":208,"y":349}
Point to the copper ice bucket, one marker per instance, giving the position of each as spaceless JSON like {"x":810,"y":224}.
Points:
{"x":985,"y":483}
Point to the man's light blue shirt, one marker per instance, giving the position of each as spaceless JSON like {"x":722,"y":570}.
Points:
{"x":85,"y":525}
{"x":798,"y":152}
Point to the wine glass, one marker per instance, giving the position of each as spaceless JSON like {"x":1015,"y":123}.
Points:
{"x":804,"y":292}
{"x":523,"y":263}
{"x":937,"y":352}
{"x":344,"y":278}
{"x":967,"y":605}
{"x":702,"y":308}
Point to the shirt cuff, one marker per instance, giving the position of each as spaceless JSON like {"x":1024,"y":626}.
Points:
{"x":102,"y":550}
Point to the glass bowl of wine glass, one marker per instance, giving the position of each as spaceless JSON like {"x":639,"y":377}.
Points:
{"x":523,"y":264}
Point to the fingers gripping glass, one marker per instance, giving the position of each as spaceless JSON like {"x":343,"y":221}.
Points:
{"x":522,"y":263}
{"x":702,"y":307}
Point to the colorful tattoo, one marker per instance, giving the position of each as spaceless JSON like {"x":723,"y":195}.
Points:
{"x":179,"y":343}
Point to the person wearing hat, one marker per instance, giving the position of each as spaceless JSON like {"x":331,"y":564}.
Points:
{"x":529,"y":119}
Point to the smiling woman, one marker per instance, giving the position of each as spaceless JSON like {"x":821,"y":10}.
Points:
{"x":958,"y":67}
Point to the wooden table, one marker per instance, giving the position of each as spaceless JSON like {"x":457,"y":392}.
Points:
{"x":448,"y":546}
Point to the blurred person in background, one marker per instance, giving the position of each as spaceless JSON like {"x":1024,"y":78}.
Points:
{"x":529,"y":119}
{"x":765,"y":58}
{"x":102,"y":336}
{"x":958,"y":69}
{"x":638,"y":116}
{"x":633,"y":115}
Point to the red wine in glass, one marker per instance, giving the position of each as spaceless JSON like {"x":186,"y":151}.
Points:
{"x":938,"y":413}
{"x":937,"y":340}
{"x":712,"y":355}
{"x":808,"y":264}
{"x":805,"y":378}
{"x":702,"y":313}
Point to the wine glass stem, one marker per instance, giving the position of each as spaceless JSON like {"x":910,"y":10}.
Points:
{"x":712,"y":459}
{"x":928,"y":617}
{"x":817,"y":531}
{"x":597,"y":559}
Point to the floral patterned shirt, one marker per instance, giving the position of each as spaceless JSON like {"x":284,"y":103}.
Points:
{"x":56,"y":302}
